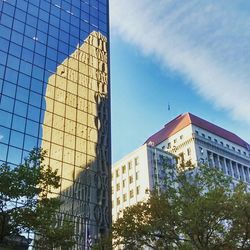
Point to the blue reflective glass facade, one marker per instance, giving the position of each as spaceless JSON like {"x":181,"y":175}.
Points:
{"x":54,"y":93}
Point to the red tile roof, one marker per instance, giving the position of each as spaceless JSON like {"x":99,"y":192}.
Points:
{"x":186,"y":119}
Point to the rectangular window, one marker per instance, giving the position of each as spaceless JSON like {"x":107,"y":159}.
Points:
{"x":117,"y":186}
{"x":130,"y":165}
{"x":189,"y":151}
{"x":131,"y":179}
{"x":137,"y":190}
{"x":124,"y":197}
{"x":118,"y":201}
{"x":117,"y":173}
{"x":137,"y":175}
{"x":131,"y":194}
{"x":136,"y":161}
{"x":123,"y":183}
{"x":123,"y":169}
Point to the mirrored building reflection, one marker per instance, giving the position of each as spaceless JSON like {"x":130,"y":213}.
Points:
{"x":54,"y":94}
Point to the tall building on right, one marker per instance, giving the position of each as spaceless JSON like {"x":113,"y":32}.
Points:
{"x":194,"y":139}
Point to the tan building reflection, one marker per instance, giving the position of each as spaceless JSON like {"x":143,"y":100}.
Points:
{"x":76,"y":134}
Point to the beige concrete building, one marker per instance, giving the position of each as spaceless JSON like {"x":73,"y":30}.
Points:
{"x":135,"y":174}
{"x":199,"y":141}
{"x":76,"y":135}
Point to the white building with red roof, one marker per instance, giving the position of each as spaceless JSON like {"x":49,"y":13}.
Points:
{"x":199,"y":141}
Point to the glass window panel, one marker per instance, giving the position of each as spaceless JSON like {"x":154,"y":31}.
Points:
{"x":93,"y":12}
{"x":5,"y":32}
{"x":9,"y":89}
{"x":13,"y":62}
{"x":55,"y":10}
{"x":35,"y":99}
{"x":14,"y":155}
{"x":65,"y":15}
{"x":4,"y":44}
{"x":8,"y":9}
{"x":15,"y":49}
{"x":29,"y":43}
{"x":25,"y":67}
{"x":52,"y":42}
{"x":24,"y":80}
{"x":74,"y":31}
{"x":20,"y":15}
{"x":103,"y":26}
{"x":64,"y":36}
{"x":11,"y":75}
{"x":20,"y":108}
{"x":2,"y":71}
{"x":64,"y":26}
{"x":40,"y":48}
{"x":31,"y":20}
{"x":22,"y":5}
{"x":33,"y":113}
{"x":39,"y":60}
{"x":5,"y":118}
{"x":51,"y":65}
{"x":76,"y":11}
{"x":27,"y":55}
{"x":75,"y":21}
{"x":30,"y":31}
{"x":53,"y":31}
{"x":36,"y":86}
{"x":6,"y":20}
{"x":3,"y":57}
{"x":18,"y":123}
{"x":45,"y":5}
{"x":102,"y":8}
{"x":33,"y":9}
{"x":32,"y":128}
{"x":102,"y":17}
{"x":16,"y":37}
{"x":37,"y":72}
{"x":41,"y":37}
{"x":7,"y":103}
{"x":94,"y":21}
{"x":16,"y":139}
{"x":30,"y":142}
{"x":43,"y":26}
{"x":22,"y":94}
{"x":3,"y":151}
{"x":18,"y":26}
{"x":4,"y":135}
{"x":43,"y":15}
{"x":54,"y":21}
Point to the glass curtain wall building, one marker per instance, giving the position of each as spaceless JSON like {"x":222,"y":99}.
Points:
{"x":54,"y":94}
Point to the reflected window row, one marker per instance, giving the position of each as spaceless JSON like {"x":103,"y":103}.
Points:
{"x":31,"y":64}
{"x":56,"y":39}
{"x":57,"y":17}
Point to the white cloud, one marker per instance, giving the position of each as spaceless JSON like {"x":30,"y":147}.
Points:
{"x":1,"y":137}
{"x":206,"y":41}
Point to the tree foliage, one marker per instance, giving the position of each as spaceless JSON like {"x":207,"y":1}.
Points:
{"x":26,"y":203}
{"x":199,"y":209}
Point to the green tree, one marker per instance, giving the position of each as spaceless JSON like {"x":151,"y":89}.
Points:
{"x":199,"y":209}
{"x":26,"y":204}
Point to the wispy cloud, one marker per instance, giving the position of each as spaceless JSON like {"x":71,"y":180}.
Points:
{"x":206,"y":41}
{"x":1,"y":137}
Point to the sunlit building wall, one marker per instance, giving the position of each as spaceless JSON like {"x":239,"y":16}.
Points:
{"x":135,"y":174}
{"x":54,"y":93}
{"x":194,"y":139}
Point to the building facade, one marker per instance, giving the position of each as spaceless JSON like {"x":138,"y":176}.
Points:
{"x":199,"y":141}
{"x":54,"y":94}
{"x":135,"y":174}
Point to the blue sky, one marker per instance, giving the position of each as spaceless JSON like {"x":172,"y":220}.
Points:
{"x":194,"y":55}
